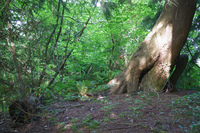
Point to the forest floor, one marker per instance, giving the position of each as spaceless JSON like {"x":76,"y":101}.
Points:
{"x":141,"y":113}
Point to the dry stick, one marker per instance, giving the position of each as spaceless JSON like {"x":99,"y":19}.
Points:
{"x":88,"y":70}
{"x":154,"y":90}
{"x":61,"y":67}
{"x":62,"y":111}
{"x":118,"y":128}
{"x":71,"y":106}
{"x":83,"y":29}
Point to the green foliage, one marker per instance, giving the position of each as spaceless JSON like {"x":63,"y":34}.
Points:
{"x":107,"y":108}
{"x":83,"y":86}
{"x":188,"y":106}
{"x":99,"y":88}
{"x":56,"y":54}
{"x":85,"y":122}
{"x":190,"y":79}
{"x":91,"y":124}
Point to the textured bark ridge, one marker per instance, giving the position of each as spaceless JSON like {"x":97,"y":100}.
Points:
{"x":150,"y":67}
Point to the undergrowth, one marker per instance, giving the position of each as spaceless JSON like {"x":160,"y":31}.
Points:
{"x":188,"y":108}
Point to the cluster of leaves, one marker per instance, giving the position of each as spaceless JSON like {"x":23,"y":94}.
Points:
{"x":86,"y":122}
{"x":188,"y":106}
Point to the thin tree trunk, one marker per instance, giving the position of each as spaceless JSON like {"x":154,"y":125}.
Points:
{"x":153,"y":62}
{"x":65,"y":59}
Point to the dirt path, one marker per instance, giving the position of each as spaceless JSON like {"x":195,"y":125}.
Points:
{"x":113,"y":114}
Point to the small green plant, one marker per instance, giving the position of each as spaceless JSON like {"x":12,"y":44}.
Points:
{"x":100,"y":101}
{"x":122,"y":114}
{"x":106,"y":119}
{"x":74,"y":123}
{"x":137,"y":101}
{"x":89,"y":123}
{"x":86,"y":122}
{"x":62,"y":125}
{"x":107,"y":108}
{"x":102,"y":77}
{"x":188,"y":107}
{"x":71,"y":97}
{"x":195,"y":127}
{"x":127,"y":99}
{"x":99,"y":88}
{"x":134,"y":108}
{"x":94,"y":124}
{"x":83,"y":86}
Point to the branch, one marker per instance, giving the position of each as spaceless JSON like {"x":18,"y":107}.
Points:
{"x":6,"y":82}
{"x":7,"y":3}
{"x":192,"y":56}
{"x":83,"y":29}
{"x":74,"y":19}
{"x":88,"y":70}
{"x":47,"y":46}
{"x":5,"y":47}
{"x":61,"y":67}
{"x":65,"y":59}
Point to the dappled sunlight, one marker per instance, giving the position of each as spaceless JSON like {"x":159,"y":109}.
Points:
{"x":113,"y":115}
{"x":162,"y":33}
{"x":63,"y":126}
{"x":143,"y":60}
{"x":153,"y":31}
{"x":113,"y":82}
{"x":164,"y":38}
{"x":68,"y":126}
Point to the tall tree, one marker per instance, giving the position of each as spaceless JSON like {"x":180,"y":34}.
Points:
{"x":152,"y":64}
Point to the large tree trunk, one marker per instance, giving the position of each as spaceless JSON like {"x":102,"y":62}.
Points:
{"x":151,"y":65}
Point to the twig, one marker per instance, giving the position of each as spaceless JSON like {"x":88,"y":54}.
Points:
{"x":79,"y":105}
{"x":118,"y":128}
{"x":154,"y":90}
{"x":88,"y":70}
{"x":192,"y":56}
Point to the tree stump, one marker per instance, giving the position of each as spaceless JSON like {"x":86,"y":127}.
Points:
{"x":23,"y":110}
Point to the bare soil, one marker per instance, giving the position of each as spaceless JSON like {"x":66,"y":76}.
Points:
{"x":126,"y":113}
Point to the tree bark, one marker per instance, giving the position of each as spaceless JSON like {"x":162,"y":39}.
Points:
{"x":180,"y":67}
{"x":150,"y":67}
